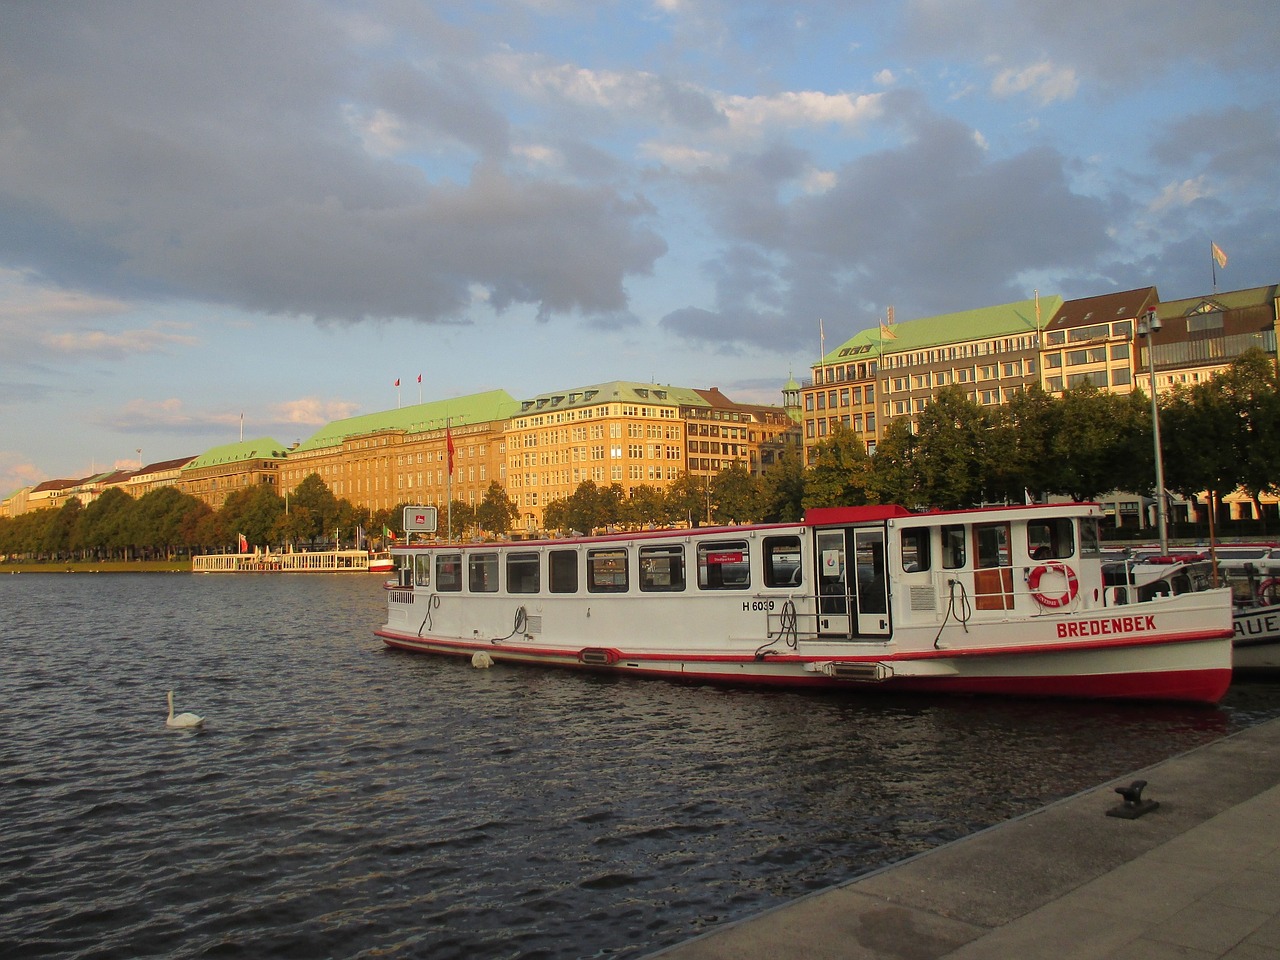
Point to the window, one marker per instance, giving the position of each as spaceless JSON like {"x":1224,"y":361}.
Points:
{"x":1090,"y":539}
{"x":782,"y":562}
{"x":562,"y":571}
{"x":1050,"y":539}
{"x":724,"y":565}
{"x":482,"y":572}
{"x":953,"y":553}
{"x":522,"y":573}
{"x":915,"y":550}
{"x":662,"y":568}
{"x":607,"y":570}
{"x":448,"y":572}
{"x":991,"y":544}
{"x":422,"y":571}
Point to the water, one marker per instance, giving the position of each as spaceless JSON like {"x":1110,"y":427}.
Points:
{"x":344,"y":800}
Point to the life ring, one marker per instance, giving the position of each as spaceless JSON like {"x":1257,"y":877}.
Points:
{"x":1269,"y":591}
{"x":1073,"y":585}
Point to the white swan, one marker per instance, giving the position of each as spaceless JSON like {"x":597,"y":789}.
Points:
{"x":182,"y":719}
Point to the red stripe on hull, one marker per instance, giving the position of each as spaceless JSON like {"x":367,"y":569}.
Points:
{"x":1195,"y":686}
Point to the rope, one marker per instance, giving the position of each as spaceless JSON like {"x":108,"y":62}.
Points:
{"x":965,"y":610}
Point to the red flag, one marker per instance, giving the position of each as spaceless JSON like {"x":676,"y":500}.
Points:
{"x":244,"y":544}
{"x":419,"y":378}
{"x":397,"y":381}
{"x":448,"y":442}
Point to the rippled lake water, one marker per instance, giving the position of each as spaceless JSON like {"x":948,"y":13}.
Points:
{"x":344,"y":800}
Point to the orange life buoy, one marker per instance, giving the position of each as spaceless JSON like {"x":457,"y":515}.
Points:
{"x":1269,"y":591}
{"x":1049,"y":600}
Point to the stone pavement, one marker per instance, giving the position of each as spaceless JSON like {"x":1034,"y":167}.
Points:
{"x":1197,"y":878}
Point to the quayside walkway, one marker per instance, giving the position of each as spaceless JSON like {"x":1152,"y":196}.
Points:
{"x":1197,"y":878}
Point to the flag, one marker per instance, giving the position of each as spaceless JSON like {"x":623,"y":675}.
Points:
{"x":243,"y":545}
{"x":397,"y":381}
{"x":386,"y":532}
{"x":419,"y":378}
{"x":886,"y":333}
{"x":448,"y":443}
{"x":1219,"y":257}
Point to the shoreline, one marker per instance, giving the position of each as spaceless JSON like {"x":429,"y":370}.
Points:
{"x":95,"y":566}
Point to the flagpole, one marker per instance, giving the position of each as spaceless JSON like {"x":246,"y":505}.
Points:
{"x":1213,"y":266}
{"x":448,"y":481}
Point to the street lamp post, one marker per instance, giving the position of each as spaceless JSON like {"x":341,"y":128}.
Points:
{"x":1148,"y":327}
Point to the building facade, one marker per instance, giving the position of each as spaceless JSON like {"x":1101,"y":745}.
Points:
{"x":217,"y":473}
{"x":384,"y":459}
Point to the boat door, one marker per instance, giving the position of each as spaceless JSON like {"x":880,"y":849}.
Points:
{"x":853,"y":589}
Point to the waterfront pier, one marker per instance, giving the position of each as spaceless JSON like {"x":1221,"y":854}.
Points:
{"x":1197,"y":877}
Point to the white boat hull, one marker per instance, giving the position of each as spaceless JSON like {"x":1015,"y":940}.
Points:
{"x":722,"y":605}
{"x":1256,"y":647}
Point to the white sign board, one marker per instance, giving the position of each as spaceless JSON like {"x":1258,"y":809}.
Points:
{"x":419,"y":519}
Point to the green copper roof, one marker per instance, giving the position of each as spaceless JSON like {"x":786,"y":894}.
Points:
{"x":474,"y":408}
{"x":1000,"y":321}
{"x":261,"y":448}
{"x":615,"y":391}
{"x":1228,"y":300}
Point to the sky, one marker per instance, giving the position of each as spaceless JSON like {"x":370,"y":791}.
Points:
{"x":216,"y":213}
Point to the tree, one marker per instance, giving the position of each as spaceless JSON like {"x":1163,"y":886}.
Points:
{"x":893,"y":477}
{"x":644,"y":507}
{"x":104,"y":524}
{"x":321,"y":504}
{"x":782,"y":490}
{"x":689,"y":500}
{"x":256,"y":512}
{"x":838,"y":474}
{"x":1018,"y":440}
{"x":1102,"y":442}
{"x":497,"y":511}
{"x":735,"y":495}
{"x":948,"y":454}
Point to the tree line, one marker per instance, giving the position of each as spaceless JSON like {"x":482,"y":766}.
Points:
{"x":1217,"y":436}
{"x":167,"y":523}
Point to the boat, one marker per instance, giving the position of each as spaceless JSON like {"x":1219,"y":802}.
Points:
{"x":318,"y":561}
{"x":1002,"y":600}
{"x":381,"y":561}
{"x":1250,"y":572}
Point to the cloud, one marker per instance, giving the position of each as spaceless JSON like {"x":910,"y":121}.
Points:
{"x":311,"y":411}
{"x":100,"y":343}
{"x":1093,"y":38}
{"x":1179,"y":194}
{"x":1044,"y":82}
{"x":253,"y":159}
{"x":937,"y":206}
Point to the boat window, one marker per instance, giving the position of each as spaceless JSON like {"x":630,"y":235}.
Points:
{"x":607,"y":570}
{"x":991,"y":545}
{"x":782,"y":562}
{"x":724,"y":565}
{"x":1090,"y":540}
{"x":482,"y":572}
{"x":953,"y":552}
{"x":562,"y":571}
{"x":422,"y":570}
{"x":915,"y":549}
{"x":448,"y":572}
{"x":662,"y":568}
{"x":1050,"y":539}
{"x":522,"y":573}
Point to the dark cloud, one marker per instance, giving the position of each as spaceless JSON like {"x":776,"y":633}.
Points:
{"x":215,"y":153}
{"x":931,"y":226}
{"x":1122,"y":43}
